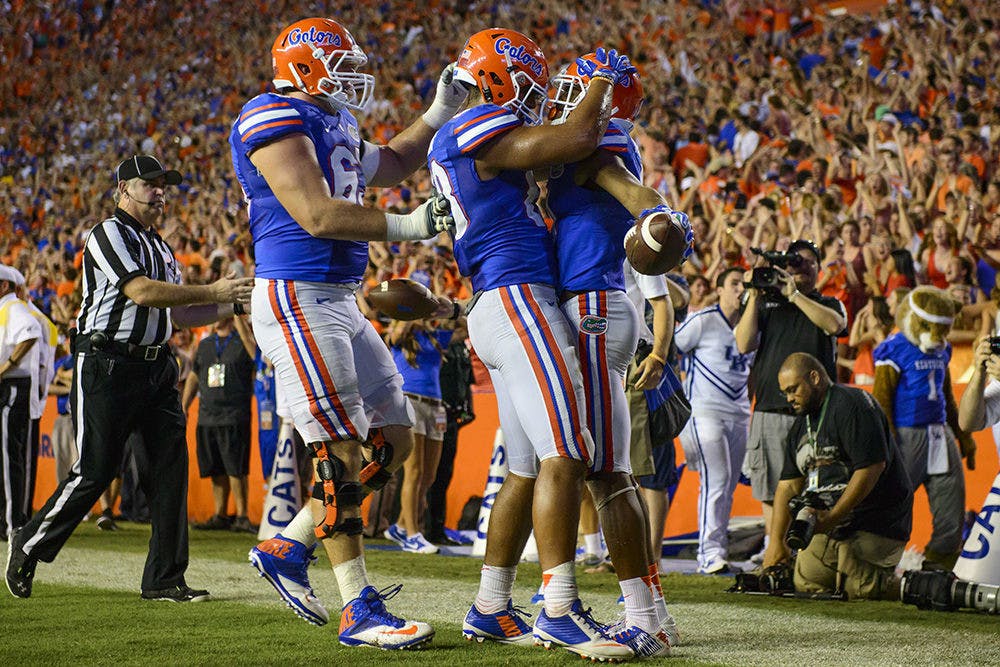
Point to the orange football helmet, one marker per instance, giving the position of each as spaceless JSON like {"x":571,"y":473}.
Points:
{"x":571,"y":86}
{"x":320,"y":57}
{"x":509,"y":70}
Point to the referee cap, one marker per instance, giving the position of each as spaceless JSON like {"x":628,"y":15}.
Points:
{"x":147,"y":168}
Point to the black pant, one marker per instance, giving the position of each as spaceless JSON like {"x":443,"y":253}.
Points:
{"x":437,"y":495}
{"x":15,"y":447}
{"x":121,"y":395}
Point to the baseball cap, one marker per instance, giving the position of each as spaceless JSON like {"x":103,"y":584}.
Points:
{"x":8,"y":275}
{"x":147,"y":168}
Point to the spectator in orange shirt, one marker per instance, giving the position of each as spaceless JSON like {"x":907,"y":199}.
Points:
{"x":695,"y":150}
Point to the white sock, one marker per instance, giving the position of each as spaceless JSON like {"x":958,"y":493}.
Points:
{"x":640,"y":609}
{"x":657,"y":591}
{"x":592,"y":544}
{"x":352,"y":577}
{"x":496,"y":585}
{"x":560,"y":589}
{"x":302,"y":528}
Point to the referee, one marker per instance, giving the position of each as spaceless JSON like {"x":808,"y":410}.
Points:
{"x":125,"y":379}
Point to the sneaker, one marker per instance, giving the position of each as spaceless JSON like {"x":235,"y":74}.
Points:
{"x":177,"y":594}
{"x":587,"y":560}
{"x":417,"y":544}
{"x":365,"y":621}
{"x":215,"y":522}
{"x":505,"y":627}
{"x":758,"y":558}
{"x":283,"y":562}
{"x":106,"y":521}
{"x":241,"y":524}
{"x":578,"y":632}
{"x":715,"y":567}
{"x":20,"y":567}
{"x":396,"y":534}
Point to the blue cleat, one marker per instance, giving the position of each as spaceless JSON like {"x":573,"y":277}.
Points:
{"x":505,"y":627}
{"x":283,"y":562}
{"x":578,"y":632}
{"x":365,"y":621}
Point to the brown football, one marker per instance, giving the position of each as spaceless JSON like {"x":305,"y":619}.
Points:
{"x":403,"y":299}
{"x":655,"y":244}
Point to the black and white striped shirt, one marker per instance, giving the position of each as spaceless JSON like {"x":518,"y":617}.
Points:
{"x":116,"y":251}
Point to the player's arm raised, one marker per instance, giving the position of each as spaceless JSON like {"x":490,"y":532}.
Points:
{"x":541,"y":146}
{"x":611,"y":175}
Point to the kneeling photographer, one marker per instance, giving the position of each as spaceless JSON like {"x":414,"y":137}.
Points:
{"x":844,"y":475}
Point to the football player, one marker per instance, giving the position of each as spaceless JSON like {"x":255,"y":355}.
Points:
{"x":304,"y":168}
{"x":595,"y":202}
{"x":482,"y":160}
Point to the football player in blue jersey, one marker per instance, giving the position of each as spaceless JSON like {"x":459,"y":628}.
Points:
{"x":482,"y":160}
{"x":304,"y":168}
{"x":595,"y":202}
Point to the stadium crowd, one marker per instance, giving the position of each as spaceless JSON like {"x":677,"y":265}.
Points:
{"x":874,"y":136}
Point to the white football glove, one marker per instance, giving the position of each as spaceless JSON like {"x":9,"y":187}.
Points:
{"x":450,"y":95}
{"x":424,"y":222}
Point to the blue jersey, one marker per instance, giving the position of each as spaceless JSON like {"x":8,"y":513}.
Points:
{"x":500,"y":234}
{"x":590,"y":224}
{"x":282,"y":248}
{"x":919,"y":398}
{"x":425,"y":379}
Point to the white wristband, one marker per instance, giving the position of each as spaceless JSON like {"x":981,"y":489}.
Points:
{"x":406,"y":226}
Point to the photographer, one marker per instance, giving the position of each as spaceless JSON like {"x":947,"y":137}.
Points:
{"x":787,"y":315}
{"x":843,"y":466}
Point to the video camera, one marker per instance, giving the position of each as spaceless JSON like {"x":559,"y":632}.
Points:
{"x":765,"y":278}
{"x":941,"y":590}
{"x":803,"y":525}
{"x":994,"y":342}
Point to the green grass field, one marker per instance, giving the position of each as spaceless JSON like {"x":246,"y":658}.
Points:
{"x":85,"y":610}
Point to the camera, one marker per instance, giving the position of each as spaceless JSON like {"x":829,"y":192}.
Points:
{"x":941,"y":590}
{"x":803,"y":526}
{"x":765,"y":278}
{"x":994,"y":342}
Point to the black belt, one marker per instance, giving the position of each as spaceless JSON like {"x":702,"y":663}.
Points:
{"x":99,"y":341}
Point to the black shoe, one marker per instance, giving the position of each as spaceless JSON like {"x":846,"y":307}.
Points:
{"x":216,"y":522}
{"x":241,"y":524}
{"x":20,"y":568}
{"x":106,"y":521}
{"x":177,"y":594}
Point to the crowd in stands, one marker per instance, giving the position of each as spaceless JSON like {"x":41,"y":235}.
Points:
{"x":873,"y":135}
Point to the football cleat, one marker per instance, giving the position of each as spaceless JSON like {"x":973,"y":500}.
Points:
{"x":669,"y":626}
{"x":365,"y":621}
{"x":643,"y":643}
{"x":505,"y":627}
{"x":578,"y":632}
{"x":284,"y":562}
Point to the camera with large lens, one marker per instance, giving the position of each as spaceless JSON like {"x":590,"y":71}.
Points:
{"x":994,"y":342}
{"x":766,"y":278}
{"x":803,"y":526}
{"x":941,"y":590}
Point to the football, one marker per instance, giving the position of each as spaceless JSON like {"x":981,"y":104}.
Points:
{"x":403,"y":299}
{"x":655,"y":244}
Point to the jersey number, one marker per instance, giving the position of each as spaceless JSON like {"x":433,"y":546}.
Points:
{"x":346,"y":175}
{"x":932,"y":392}
{"x":442,"y":183}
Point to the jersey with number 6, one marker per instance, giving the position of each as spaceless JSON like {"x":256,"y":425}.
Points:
{"x":500,"y":234}
{"x":919,"y":398}
{"x":282,"y":248}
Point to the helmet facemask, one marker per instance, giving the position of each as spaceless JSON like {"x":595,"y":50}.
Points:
{"x":343,"y":86}
{"x":569,"y":92}
{"x":531,"y":99}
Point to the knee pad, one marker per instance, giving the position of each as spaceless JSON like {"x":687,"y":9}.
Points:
{"x":375,"y":475}
{"x":336,"y":494}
